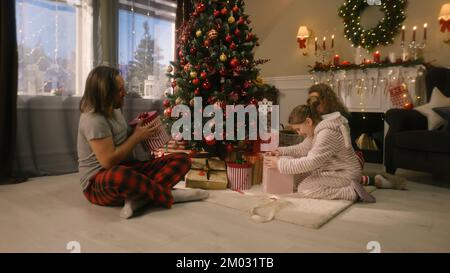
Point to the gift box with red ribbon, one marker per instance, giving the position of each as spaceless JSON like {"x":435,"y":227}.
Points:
{"x":161,"y":138}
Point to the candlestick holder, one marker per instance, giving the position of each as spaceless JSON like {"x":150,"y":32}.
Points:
{"x":416,"y":49}
{"x":324,"y":55}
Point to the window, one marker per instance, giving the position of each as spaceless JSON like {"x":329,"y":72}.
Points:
{"x":146,"y":45}
{"x":52,"y":58}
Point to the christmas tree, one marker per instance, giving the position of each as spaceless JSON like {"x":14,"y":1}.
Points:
{"x":216,"y":62}
{"x":147,"y":62}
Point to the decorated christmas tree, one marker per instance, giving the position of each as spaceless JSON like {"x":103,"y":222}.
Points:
{"x":216,"y":62}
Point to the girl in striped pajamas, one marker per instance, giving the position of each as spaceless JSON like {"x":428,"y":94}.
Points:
{"x":325,"y":161}
{"x":329,"y":103}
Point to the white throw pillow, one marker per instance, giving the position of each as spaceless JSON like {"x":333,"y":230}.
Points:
{"x":437,"y":100}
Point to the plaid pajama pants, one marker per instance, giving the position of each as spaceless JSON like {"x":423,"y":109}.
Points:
{"x":153,"y":179}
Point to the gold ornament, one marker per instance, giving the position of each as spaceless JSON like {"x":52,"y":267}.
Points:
{"x":231,"y":20}
{"x":223,"y":57}
{"x":213,"y":34}
{"x":193,"y":74}
{"x":199,"y":33}
{"x":169,"y":69}
{"x":179,"y":101}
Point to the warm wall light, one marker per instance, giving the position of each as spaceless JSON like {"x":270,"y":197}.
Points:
{"x":444,"y":20}
{"x":302,"y":37}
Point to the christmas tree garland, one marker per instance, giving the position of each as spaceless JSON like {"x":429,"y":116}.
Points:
{"x":383,"y":33}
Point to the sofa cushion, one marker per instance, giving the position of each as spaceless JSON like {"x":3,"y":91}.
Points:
{"x":444,"y":112}
{"x":426,"y":141}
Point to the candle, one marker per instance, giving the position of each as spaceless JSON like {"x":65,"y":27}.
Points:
{"x":332,"y":41}
{"x":315,"y":45}
{"x":376,"y":57}
{"x":403,"y":33}
{"x":414,"y":33}
{"x":336,"y":60}
{"x":324,"y":43}
{"x":425,"y":27}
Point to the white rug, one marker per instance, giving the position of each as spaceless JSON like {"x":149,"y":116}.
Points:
{"x":308,"y":213}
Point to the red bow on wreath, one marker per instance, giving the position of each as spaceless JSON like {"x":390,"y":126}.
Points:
{"x":445,"y":25}
{"x":301,"y":42}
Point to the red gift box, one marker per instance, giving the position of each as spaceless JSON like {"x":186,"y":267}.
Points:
{"x":162,"y":137}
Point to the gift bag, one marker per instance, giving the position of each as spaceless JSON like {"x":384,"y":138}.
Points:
{"x":162,"y":136}
{"x":257,"y":166}
{"x":207,"y":173}
{"x":239,"y":175}
{"x":399,"y":94}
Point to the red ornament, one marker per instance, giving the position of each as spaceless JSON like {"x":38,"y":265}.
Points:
{"x":224,"y":11}
{"x":247,"y":85}
{"x":234,"y":62}
{"x":250,"y":37}
{"x":237,"y":32}
{"x":216,"y":13}
{"x":195,"y":14}
{"x":174,"y":84}
{"x":211,"y":142}
{"x":230,"y":148}
{"x":166,"y":103}
{"x":254,"y":101}
{"x":201,"y":8}
{"x":168,"y":112}
{"x":196,"y":81}
{"x":197,"y":92}
{"x":223,"y":72}
{"x":206,"y":85}
{"x":229,"y":38}
{"x":235,"y":9}
{"x":193,"y":50}
{"x":180,"y":54}
{"x":241,"y":21}
{"x":182,"y":61}
{"x":207,"y":43}
{"x":203,"y":75}
{"x":233,"y":46}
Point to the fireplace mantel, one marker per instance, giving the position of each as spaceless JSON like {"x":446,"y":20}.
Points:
{"x":367,"y":90}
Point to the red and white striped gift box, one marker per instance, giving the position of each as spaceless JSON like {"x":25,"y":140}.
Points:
{"x":162,"y":137}
{"x":239,"y":176}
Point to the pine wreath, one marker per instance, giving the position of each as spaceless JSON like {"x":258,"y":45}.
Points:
{"x":383,"y":33}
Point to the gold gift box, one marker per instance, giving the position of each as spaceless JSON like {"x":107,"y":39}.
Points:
{"x":207,"y":173}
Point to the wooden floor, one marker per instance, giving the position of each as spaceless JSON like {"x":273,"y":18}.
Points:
{"x":44,"y":214}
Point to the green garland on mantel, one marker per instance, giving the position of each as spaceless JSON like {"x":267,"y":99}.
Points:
{"x":380,"y":35}
{"x":325,"y":67}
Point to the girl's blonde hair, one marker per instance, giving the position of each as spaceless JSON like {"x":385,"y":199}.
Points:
{"x":302,"y":112}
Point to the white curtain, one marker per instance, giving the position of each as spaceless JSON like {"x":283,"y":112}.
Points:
{"x":85,"y":43}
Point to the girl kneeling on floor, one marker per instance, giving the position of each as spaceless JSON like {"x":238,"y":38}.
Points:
{"x":325,"y":161}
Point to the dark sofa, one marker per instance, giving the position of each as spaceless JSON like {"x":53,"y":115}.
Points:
{"x":409,"y":144}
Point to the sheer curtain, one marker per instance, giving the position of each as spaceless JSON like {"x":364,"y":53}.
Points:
{"x":55,"y":40}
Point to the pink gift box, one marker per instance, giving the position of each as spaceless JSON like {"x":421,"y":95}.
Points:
{"x":162,"y":136}
{"x":276,"y":183}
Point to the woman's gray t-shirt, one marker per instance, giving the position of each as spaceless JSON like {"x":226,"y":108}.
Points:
{"x":96,"y":126}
